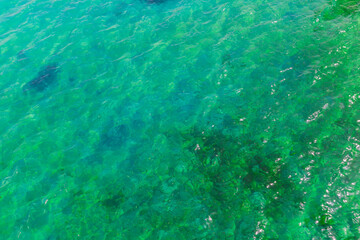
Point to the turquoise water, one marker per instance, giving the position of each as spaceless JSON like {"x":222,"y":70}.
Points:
{"x":179,"y":119}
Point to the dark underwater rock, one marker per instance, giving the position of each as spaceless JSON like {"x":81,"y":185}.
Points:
{"x":44,"y":78}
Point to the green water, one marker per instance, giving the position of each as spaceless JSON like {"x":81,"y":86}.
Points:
{"x":180,"y":119}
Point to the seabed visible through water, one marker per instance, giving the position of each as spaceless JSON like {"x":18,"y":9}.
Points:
{"x":176,"y":119}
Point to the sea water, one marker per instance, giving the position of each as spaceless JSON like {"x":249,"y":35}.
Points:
{"x":177,"y":119}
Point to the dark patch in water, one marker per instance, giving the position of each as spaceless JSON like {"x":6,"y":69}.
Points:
{"x":93,"y":159}
{"x":114,"y":201}
{"x":21,"y":56}
{"x":154,"y":1}
{"x":44,"y":78}
{"x":116,"y":135}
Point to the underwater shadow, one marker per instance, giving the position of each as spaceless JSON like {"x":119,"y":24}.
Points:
{"x":44,"y":79}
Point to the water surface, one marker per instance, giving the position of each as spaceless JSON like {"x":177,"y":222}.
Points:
{"x":179,"y":119}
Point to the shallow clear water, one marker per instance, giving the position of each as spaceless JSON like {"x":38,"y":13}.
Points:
{"x":179,"y":119}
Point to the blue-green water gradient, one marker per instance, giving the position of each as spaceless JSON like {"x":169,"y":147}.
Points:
{"x":179,"y":119}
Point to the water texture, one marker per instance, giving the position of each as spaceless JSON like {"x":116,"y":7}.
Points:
{"x":176,"y":119}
